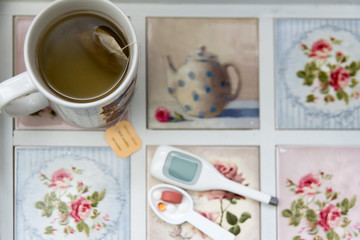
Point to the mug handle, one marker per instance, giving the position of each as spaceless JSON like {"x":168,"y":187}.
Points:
{"x":238,"y":87}
{"x":18,"y":96}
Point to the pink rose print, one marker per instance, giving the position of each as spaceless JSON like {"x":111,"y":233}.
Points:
{"x":80,"y":209}
{"x":339,"y":78}
{"x":71,"y":201}
{"x":329,"y":217}
{"x":61,"y":179}
{"x":162,"y":114}
{"x":330,"y":74}
{"x":320,"y":49}
{"x":308,"y":185}
{"x":228,"y":170}
{"x":324,"y":215}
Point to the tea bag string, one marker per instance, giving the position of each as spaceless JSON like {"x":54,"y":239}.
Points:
{"x":129,"y":44}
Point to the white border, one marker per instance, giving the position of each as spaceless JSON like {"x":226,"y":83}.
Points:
{"x":267,"y":137}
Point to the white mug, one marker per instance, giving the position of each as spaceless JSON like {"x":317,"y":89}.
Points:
{"x":27,"y":93}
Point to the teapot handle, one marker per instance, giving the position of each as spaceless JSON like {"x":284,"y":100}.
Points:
{"x":239,"y":82}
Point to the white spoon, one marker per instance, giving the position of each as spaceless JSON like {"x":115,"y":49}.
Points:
{"x":184,"y":213}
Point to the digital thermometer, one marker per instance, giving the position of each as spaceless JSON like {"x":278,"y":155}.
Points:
{"x":191,"y":172}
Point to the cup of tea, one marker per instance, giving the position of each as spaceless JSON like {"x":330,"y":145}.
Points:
{"x":81,"y":59}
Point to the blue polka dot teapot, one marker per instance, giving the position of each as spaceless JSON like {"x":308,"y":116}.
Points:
{"x":202,"y":86}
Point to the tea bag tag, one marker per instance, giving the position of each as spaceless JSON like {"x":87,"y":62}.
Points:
{"x":123,"y":139}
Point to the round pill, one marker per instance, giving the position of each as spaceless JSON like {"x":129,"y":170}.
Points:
{"x":161,"y":207}
{"x":170,"y":208}
{"x":171,"y":197}
{"x":183,"y":207}
{"x":156,"y":195}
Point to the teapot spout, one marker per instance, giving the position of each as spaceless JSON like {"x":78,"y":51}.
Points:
{"x":170,"y":75}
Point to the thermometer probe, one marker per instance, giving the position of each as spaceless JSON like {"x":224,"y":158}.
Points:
{"x":189,"y":171}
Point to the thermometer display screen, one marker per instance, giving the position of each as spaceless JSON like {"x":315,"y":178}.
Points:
{"x":182,"y":167}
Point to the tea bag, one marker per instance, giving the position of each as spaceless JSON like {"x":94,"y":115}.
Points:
{"x":102,"y":46}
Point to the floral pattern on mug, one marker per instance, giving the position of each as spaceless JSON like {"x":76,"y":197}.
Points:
{"x":329,"y":72}
{"x":318,"y":207}
{"x":69,"y":205}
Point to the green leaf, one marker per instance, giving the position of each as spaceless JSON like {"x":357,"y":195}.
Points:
{"x":40,"y":205}
{"x":244,"y":216}
{"x":345,"y":206}
{"x":48,"y":230}
{"x":52,"y":196}
{"x":96,"y":214}
{"x":300,"y":203}
{"x":231,"y":218}
{"x":71,"y":197}
{"x":297,"y":238}
{"x":311,"y":216}
{"x":287,"y":213}
{"x":63,"y":208}
{"x":48,"y":211}
{"x":178,"y":116}
{"x":95,"y":196}
{"x":80,"y":226}
{"x":354,"y":83}
{"x":331,"y":66}
{"x":301,"y":74}
{"x":353,"y":65}
{"x":296,"y":218}
{"x":341,"y":94}
{"x":102,"y":194}
{"x":323,"y":77}
{"x":320,"y":204}
{"x":87,"y":229}
{"x":310,"y":98}
{"x":345,"y":223}
{"x":352,"y":202}
{"x":331,"y":235}
{"x":94,"y":199}
{"x":235,"y":230}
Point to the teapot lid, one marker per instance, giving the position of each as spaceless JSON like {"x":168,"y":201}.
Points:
{"x":202,"y":55}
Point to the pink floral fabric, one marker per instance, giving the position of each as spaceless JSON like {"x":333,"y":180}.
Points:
{"x":339,"y":78}
{"x":308,"y":185}
{"x":329,"y":72}
{"x":329,"y":217}
{"x":80,"y":209}
{"x":320,"y":49}
{"x":61,"y":179}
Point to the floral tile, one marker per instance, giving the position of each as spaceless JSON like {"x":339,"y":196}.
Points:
{"x":317,"y":79}
{"x":224,"y":94}
{"x":318,"y":193}
{"x":235,"y":213}
{"x":71,"y":193}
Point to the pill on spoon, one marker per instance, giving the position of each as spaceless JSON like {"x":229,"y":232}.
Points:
{"x":170,"y":208}
{"x":171,"y":197}
{"x":156,"y":195}
{"x":161,"y":207}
